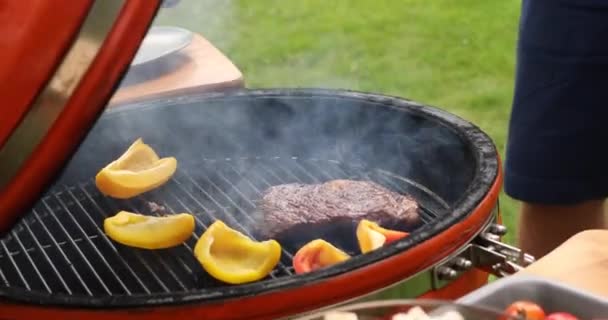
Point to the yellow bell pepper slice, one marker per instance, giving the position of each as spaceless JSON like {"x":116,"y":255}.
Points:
{"x":317,"y":254}
{"x":371,"y":236}
{"x":234,"y":258}
{"x":136,"y":171}
{"x":149,"y":232}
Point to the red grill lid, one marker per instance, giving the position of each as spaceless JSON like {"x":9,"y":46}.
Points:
{"x":60,"y":62}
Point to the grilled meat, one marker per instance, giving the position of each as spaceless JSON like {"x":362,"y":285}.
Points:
{"x":156,"y":208}
{"x":289,"y":205}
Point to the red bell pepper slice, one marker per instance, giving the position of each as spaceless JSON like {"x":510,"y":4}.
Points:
{"x":317,"y":254}
{"x":372,"y":236}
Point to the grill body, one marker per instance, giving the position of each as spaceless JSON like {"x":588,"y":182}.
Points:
{"x":76,"y":52}
{"x":231,"y":146}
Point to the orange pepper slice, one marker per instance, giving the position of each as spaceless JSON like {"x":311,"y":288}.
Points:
{"x":372,"y":236}
{"x":317,"y":254}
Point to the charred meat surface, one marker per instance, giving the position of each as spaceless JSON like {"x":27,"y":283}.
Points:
{"x":283,"y":207}
{"x":156,"y":208}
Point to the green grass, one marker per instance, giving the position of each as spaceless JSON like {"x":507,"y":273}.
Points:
{"x":458,"y":55}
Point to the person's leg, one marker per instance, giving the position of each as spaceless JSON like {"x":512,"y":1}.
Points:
{"x":542,"y":228}
{"x":557,"y":157}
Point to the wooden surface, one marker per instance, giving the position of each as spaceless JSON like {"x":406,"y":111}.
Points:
{"x":581,"y":262}
{"x":198,"y":67}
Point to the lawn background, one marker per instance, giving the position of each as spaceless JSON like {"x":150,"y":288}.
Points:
{"x":457,"y":55}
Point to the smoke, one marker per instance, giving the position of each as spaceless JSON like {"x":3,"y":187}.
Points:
{"x":256,"y":143}
{"x":229,"y":150}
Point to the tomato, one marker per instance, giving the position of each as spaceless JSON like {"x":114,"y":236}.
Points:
{"x":525,"y":310}
{"x":561,"y":316}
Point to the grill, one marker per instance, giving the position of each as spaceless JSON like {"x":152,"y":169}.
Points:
{"x":56,"y":262}
{"x":61,"y":241}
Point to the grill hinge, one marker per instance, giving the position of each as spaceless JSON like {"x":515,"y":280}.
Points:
{"x":485,"y":252}
{"x":498,"y":258}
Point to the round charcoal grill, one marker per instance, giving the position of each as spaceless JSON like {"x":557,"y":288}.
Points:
{"x":57,"y":262}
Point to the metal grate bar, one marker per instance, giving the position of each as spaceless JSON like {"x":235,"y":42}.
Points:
{"x":29,"y":258}
{"x":276,"y":177}
{"x":89,"y":241}
{"x":237,"y":190}
{"x":288,"y":172}
{"x":220,"y":207}
{"x":244,"y":212}
{"x":320,"y":170}
{"x":426,"y":215}
{"x":63,"y":254}
{"x":393,"y":185}
{"x":74,"y":245}
{"x":194,"y":234}
{"x":341,"y":172}
{"x":108,"y":243}
{"x":44,"y":246}
{"x":246,"y":179}
{"x":199,"y":223}
{"x":129,"y":205}
{"x":234,"y":204}
{"x":261,"y":179}
{"x":337,"y":171}
{"x":326,"y":171}
{"x":63,"y":243}
{"x":191,"y":210}
{"x":136,"y":252}
{"x":17,"y":269}
{"x":207,"y":210}
{"x":159,"y":258}
{"x":303,"y":170}
{"x":189,"y":248}
{"x":284,"y":265}
{"x":4,"y":280}
{"x":46,"y":256}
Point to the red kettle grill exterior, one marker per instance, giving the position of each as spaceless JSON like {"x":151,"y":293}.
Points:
{"x":60,"y":63}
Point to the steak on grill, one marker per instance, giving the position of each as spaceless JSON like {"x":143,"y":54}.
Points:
{"x":289,"y":205}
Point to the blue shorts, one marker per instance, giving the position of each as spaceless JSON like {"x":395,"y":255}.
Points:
{"x":557,"y":148}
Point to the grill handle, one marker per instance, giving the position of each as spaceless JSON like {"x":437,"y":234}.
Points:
{"x":491,"y":255}
{"x":486,"y":252}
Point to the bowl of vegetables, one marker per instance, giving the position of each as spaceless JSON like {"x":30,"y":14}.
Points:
{"x":410,"y":310}
{"x":528,"y":310}
{"x":532,"y":298}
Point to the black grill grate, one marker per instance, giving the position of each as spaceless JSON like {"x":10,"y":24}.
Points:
{"x":60,"y":248}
